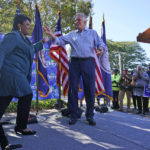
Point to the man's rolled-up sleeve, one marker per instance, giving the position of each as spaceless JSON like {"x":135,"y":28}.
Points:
{"x":62,"y":40}
{"x":98,"y":41}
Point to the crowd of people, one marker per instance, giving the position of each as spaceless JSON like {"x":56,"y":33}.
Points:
{"x":132,"y":84}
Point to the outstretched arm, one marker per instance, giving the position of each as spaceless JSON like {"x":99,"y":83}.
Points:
{"x":48,"y":31}
{"x":62,"y":40}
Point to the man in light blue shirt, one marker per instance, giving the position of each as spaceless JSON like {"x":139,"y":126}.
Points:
{"x":83,"y":42}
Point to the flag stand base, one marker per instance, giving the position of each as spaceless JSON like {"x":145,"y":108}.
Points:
{"x":59,"y":104}
{"x":109,"y":109}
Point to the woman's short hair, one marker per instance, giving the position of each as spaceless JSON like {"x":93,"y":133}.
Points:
{"x":19,"y":19}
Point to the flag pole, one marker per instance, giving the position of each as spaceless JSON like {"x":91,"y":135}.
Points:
{"x":37,"y":78}
{"x":59,"y":103}
{"x":18,"y":1}
{"x":37,"y":85}
{"x":103,"y":17}
{"x":38,"y":118}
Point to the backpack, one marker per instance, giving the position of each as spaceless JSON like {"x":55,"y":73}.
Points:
{"x":101,"y":108}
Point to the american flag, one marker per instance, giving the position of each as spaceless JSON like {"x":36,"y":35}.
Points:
{"x":54,"y":54}
{"x":99,"y":87}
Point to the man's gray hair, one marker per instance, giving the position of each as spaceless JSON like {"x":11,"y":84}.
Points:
{"x":81,"y":15}
{"x":139,"y":65}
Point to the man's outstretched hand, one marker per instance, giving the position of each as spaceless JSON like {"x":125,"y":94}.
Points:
{"x":48,"y":31}
{"x":100,"y":51}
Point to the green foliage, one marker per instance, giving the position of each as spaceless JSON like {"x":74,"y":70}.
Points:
{"x":48,"y":10}
{"x":8,"y":11}
{"x":43,"y":104}
{"x":131,"y":54}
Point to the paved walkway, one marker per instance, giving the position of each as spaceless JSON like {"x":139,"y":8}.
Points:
{"x":114,"y":131}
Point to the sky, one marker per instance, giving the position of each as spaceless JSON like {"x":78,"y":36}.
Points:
{"x":124,"y":19}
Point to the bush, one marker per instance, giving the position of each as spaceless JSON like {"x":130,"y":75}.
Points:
{"x":42,"y":104}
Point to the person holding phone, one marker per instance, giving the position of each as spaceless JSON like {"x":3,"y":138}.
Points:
{"x":125,"y":88}
{"x":141,"y":79}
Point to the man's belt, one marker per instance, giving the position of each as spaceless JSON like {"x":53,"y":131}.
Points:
{"x":82,"y":58}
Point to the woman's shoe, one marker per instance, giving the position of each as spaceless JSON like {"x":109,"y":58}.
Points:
{"x":24,"y":132}
{"x":10,"y":147}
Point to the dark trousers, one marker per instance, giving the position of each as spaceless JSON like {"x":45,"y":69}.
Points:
{"x":134,"y":101}
{"x":3,"y":138}
{"x":142,"y":103}
{"x":115,"y":101}
{"x":85,"y":68}
{"x":23,"y":109}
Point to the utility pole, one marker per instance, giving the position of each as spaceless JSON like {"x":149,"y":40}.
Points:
{"x":120,"y":66}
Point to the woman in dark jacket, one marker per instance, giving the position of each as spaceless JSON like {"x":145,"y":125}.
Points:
{"x":16,"y":57}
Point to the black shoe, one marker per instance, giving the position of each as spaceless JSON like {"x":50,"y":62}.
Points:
{"x":139,"y":112}
{"x":91,"y":121}
{"x":79,"y":116}
{"x":72,"y":121}
{"x":147,"y":110}
{"x":114,"y":107}
{"x":10,"y":147}
{"x":23,"y":132}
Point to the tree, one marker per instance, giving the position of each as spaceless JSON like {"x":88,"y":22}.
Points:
{"x":48,"y":10}
{"x":131,"y":54}
{"x":7,"y":13}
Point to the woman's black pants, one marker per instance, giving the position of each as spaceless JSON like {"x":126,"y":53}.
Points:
{"x":23,"y":109}
{"x":142,"y":103}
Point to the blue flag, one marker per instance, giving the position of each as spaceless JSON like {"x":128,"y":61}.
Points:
{"x":105,"y":66}
{"x":37,"y":35}
{"x":18,"y":8}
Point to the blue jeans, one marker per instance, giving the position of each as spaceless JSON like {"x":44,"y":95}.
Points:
{"x":84,"y":67}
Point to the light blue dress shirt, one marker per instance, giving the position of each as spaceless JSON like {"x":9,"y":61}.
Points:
{"x":82,"y":42}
